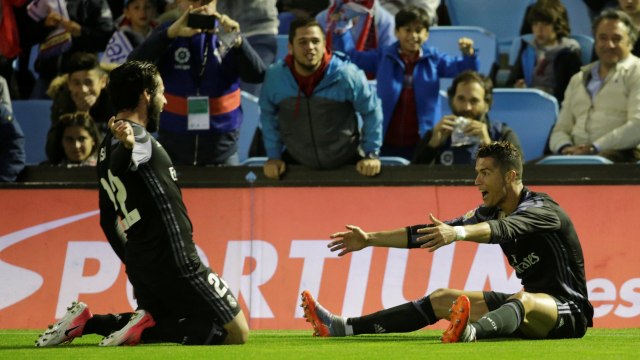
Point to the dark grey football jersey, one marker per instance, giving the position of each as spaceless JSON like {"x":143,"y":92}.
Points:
{"x":138,"y":188}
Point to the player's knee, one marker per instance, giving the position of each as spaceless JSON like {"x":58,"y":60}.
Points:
{"x":527,"y":300}
{"x":440,"y":301}
{"x":444,"y":296}
{"x":239,"y":337}
{"x":238,"y":330}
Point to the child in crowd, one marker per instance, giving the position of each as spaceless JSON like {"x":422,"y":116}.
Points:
{"x":134,"y":27}
{"x":550,"y":58}
{"x":82,"y":89}
{"x":76,"y":140}
{"x":408,"y":75}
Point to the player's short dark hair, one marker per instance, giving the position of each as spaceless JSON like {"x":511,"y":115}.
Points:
{"x":83,"y":61}
{"x":471,"y":76}
{"x":610,"y":14}
{"x":550,"y":12}
{"x":505,"y":154}
{"x":410,"y":14}
{"x":302,"y":23}
{"x":128,"y":81}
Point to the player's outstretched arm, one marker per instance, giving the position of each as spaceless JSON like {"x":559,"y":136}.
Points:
{"x":441,"y":234}
{"x":356,"y":239}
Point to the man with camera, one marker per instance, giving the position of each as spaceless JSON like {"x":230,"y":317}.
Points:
{"x":456,"y":138}
{"x":202,"y":57}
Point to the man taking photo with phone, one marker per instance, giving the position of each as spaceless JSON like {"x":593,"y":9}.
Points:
{"x":202,"y":57}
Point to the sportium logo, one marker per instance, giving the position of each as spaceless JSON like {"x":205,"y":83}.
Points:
{"x":44,"y":267}
{"x":17,"y":283}
{"x":40,"y":270}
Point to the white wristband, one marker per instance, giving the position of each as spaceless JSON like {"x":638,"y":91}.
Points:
{"x":461,"y":233}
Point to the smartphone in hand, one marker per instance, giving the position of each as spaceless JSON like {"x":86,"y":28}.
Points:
{"x":201,"y":21}
{"x":227,"y":40}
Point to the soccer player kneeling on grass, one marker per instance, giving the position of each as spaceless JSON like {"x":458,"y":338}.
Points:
{"x":145,"y":220}
{"x":536,"y":236}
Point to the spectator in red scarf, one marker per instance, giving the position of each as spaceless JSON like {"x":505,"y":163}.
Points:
{"x":309,"y":105}
{"x":370,"y":24}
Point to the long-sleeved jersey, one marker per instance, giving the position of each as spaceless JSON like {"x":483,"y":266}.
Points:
{"x":138,"y":189}
{"x":540,"y":243}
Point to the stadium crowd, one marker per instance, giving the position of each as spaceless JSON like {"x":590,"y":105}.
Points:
{"x":368,"y":63}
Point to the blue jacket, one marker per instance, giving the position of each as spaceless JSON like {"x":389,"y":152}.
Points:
{"x":320,"y":131}
{"x":389,"y":68}
{"x":179,"y":62}
{"x":12,"y":154}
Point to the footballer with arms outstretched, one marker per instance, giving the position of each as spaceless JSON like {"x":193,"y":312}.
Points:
{"x":536,"y":236}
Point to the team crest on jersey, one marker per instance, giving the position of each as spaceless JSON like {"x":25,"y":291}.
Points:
{"x":446,"y":158}
{"x":103,"y":154}
{"x":173,"y":173}
{"x":182,"y":56}
{"x":232,"y":301}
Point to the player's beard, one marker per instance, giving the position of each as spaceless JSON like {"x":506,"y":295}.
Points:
{"x":153,"y":116}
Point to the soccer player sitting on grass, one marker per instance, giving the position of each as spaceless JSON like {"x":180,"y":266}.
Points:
{"x":145,"y":220}
{"x":536,"y":236}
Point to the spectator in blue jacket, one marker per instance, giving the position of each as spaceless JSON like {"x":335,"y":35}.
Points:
{"x":200,"y":124}
{"x":309,"y":106}
{"x":408,"y":76}
{"x":12,"y":155}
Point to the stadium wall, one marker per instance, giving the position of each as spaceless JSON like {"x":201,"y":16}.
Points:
{"x":269,"y":243}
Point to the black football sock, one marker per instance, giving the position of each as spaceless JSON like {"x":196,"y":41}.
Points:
{"x":502,"y":321}
{"x":106,"y":324}
{"x":402,"y":318}
{"x":186,"y":331}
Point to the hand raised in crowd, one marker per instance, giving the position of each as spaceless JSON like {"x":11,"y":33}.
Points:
{"x":122,"y":131}
{"x":72,"y":27}
{"x":368,"y":167}
{"x":273,"y":168}
{"x":348,"y":241}
{"x":179,"y":27}
{"x":442,"y":131}
{"x":466,"y":46}
{"x":53,"y":19}
{"x":229,"y":25}
{"x":335,"y":17}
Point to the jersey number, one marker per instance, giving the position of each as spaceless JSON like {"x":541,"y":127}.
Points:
{"x":219,"y":285}
{"x":118,"y":195}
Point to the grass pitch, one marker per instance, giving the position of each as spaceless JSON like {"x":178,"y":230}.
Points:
{"x":289,"y":344}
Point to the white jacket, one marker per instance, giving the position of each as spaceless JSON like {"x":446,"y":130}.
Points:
{"x":612,"y":120}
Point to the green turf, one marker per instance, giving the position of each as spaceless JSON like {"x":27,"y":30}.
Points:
{"x":281,"y":344}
